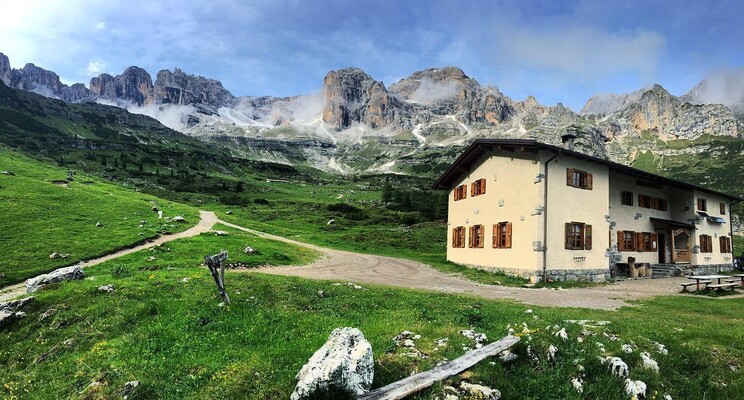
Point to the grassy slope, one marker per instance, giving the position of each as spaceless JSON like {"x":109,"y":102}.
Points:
{"x":178,"y":342}
{"x":39,"y":217}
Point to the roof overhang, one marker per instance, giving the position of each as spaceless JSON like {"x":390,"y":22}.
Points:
{"x":480,"y":146}
{"x":669,"y":224}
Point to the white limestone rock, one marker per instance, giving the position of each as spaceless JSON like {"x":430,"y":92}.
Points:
{"x":562,"y":334}
{"x":343,"y":364}
{"x":635,"y":389}
{"x":577,"y":385}
{"x":106,"y":289}
{"x":627,"y":349}
{"x":480,"y":391}
{"x":10,"y":310}
{"x":58,"y":275}
{"x":617,"y":366}
{"x":649,"y":363}
{"x":552,"y":351}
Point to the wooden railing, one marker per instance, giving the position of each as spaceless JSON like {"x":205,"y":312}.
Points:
{"x":682,"y":256}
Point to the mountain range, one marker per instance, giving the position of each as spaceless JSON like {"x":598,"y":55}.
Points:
{"x":357,"y":124}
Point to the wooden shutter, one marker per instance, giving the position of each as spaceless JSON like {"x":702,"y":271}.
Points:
{"x":472,"y":189}
{"x":569,"y":234}
{"x":589,"y":182}
{"x":496,"y":236}
{"x":722,"y":241}
{"x":508,"y":235}
{"x":569,"y":176}
{"x":639,"y":241}
{"x":481,"y":235}
{"x":470,"y":237}
{"x":454,"y":237}
{"x":722,"y":207}
{"x":710,"y":244}
{"x":620,"y":241}
{"x":654,"y":242}
{"x":587,"y":237}
{"x":482,"y":186}
{"x":654,"y":203}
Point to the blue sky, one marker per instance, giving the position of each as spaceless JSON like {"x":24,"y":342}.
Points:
{"x":557,"y":51}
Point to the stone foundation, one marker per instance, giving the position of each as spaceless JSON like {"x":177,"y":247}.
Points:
{"x":555,"y":275}
{"x":710,"y":269}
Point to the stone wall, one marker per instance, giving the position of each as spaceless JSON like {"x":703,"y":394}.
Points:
{"x":556,"y":275}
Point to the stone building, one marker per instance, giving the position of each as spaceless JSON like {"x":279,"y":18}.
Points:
{"x":537,"y":210}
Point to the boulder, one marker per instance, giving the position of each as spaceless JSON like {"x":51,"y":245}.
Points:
{"x":343,"y":366}
{"x":58,"y":275}
{"x":106,"y":289}
{"x":249,"y":250}
{"x":480,"y":391}
{"x":10,"y":310}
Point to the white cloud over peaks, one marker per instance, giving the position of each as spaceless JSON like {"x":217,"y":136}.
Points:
{"x":430,"y":92}
{"x":95,"y":67}
{"x":724,"y":86}
{"x":100,"y":26}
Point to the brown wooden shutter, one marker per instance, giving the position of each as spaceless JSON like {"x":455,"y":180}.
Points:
{"x":454,"y":237}
{"x":587,"y":237}
{"x":620,"y":241}
{"x":472,"y":189}
{"x":710,"y":244}
{"x":495,"y":236}
{"x":639,"y":241}
{"x":508,"y":235}
{"x":722,"y":208}
{"x":483,"y":186}
{"x":568,"y":235}
{"x":569,"y":176}
{"x":481,"y":235}
{"x":722,"y":242}
{"x":654,"y":242}
{"x":589,"y":180}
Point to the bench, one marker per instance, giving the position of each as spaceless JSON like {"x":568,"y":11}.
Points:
{"x":686,"y":284}
{"x":732,"y":280}
{"x":722,"y":286}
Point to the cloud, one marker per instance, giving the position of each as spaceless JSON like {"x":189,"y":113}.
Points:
{"x":722,"y":86}
{"x":95,"y":67}
{"x":429,"y":92}
{"x":100,"y":26}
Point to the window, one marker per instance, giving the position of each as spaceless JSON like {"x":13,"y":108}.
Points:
{"x":578,"y":236}
{"x":626,"y":241}
{"x":646,"y":241}
{"x":476,"y":236}
{"x":478,"y":187}
{"x":458,"y":237}
{"x":661,"y":205}
{"x":706,"y":244}
{"x":702,"y":205}
{"x":725,"y":244}
{"x":461,"y":192}
{"x":644,"y":201}
{"x":626,"y":198}
{"x":502,"y":235}
{"x":722,"y":207}
{"x":578,"y":179}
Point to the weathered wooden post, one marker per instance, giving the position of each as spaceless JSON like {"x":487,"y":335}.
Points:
{"x":213,"y":263}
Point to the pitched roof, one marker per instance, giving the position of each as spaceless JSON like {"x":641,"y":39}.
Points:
{"x":480,"y":146}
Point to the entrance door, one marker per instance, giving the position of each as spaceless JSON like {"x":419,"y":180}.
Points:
{"x":662,"y":248}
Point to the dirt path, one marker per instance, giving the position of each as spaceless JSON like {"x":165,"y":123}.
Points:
{"x":390,"y":271}
{"x":206,"y":221}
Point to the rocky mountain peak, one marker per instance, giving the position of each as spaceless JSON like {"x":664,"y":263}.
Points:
{"x":180,"y":88}
{"x":35,"y":79}
{"x":133,"y":85}
{"x":5,"y":69}
{"x":435,"y":84}
{"x":350,"y":95}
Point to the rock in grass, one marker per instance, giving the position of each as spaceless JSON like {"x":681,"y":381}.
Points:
{"x":343,"y":366}
{"x":10,"y":310}
{"x":129,"y":389}
{"x":480,"y":391}
{"x":635,"y":389}
{"x":617,"y":366}
{"x":106,"y":289}
{"x":58,"y":275}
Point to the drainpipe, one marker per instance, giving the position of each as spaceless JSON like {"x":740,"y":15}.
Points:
{"x":545,"y":220}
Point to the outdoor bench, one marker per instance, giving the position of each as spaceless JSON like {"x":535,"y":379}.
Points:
{"x":723,"y":285}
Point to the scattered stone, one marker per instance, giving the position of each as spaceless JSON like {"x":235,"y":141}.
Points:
{"x":129,"y":389}
{"x":507,"y":356}
{"x":11,"y":310}
{"x":667,"y":396}
{"x":320,"y":293}
{"x":106,"y":289}
{"x":635,"y":388}
{"x":48,"y":313}
{"x":99,"y":224}
{"x":601,"y":347}
{"x":144,"y":221}
{"x":185,"y":279}
{"x":331,"y":222}
{"x":343,"y":364}
{"x":441,"y":343}
{"x":617,"y":366}
{"x":353,"y":285}
{"x":58,"y":275}
{"x":562,"y":334}
{"x":648,"y":362}
{"x":249,"y":250}
{"x":178,"y":218}
{"x":587,"y":322}
{"x":529,"y":311}
{"x":151,"y":258}
{"x":479,"y":338}
{"x":160,"y":214}
{"x":220,"y":233}
{"x":661,"y":348}
{"x":10,"y":173}
{"x":552,"y":351}
{"x":480,"y":391}
{"x":613,"y":338}
{"x":56,"y":255}
{"x":628,"y":349}
{"x":577,"y":385}
{"x":228,"y":212}
{"x":406,"y":339}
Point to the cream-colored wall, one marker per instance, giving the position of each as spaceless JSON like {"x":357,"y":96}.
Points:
{"x":511,"y":195}
{"x":570,"y":204}
{"x":636,"y":218}
{"x":715,"y":230}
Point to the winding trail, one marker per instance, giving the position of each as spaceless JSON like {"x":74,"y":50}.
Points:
{"x":397,"y":272}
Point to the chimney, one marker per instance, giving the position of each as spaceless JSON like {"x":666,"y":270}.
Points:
{"x":568,"y":140}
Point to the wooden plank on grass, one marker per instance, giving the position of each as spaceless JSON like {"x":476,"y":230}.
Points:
{"x":423,"y":380}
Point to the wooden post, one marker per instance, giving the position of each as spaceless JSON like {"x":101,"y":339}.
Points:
{"x":423,"y":380}
{"x":213,"y":263}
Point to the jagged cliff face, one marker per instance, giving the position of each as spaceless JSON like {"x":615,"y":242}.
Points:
{"x":134,"y":85}
{"x":357,"y":124}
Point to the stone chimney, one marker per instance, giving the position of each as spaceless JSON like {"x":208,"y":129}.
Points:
{"x":568,"y":140}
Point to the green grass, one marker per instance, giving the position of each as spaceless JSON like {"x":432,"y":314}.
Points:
{"x":171,"y":334}
{"x":40,"y":217}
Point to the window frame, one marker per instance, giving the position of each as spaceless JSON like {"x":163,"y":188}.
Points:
{"x":626,"y":198}
{"x":626,"y":241}
{"x":458,"y":237}
{"x":476,"y":237}
{"x":706,"y":243}
{"x":722,"y":208}
{"x":461,"y":192}
{"x":579,"y":178}
{"x":478,"y":187}
{"x":578,"y":236}
{"x":502,"y":235}
{"x":702,"y":204}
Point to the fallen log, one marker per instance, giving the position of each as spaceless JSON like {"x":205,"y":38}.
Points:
{"x":423,"y":380}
